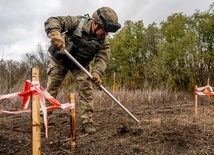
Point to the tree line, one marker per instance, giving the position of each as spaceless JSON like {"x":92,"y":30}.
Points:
{"x":176,"y":54}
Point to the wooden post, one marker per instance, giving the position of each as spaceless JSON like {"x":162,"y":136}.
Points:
{"x":208,"y":81}
{"x":196,"y":103}
{"x":73,"y":124}
{"x":35,"y":116}
{"x":114,"y":76}
{"x":207,"y":107}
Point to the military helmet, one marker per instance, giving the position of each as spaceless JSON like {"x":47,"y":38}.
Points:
{"x":107,"y":18}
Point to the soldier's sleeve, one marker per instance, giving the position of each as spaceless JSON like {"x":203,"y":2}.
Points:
{"x":60,"y":23}
{"x":102,"y":58}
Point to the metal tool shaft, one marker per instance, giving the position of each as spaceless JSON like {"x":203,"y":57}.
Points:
{"x":101,"y":87}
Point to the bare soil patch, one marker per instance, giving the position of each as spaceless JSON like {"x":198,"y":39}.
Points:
{"x":166,"y":129}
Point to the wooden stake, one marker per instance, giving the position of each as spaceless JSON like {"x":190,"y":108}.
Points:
{"x":35,"y":117}
{"x":196,"y":103}
{"x":114,"y":83}
{"x":208,"y":81}
{"x":73,"y":124}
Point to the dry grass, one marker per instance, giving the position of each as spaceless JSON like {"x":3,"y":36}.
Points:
{"x":169,"y":125}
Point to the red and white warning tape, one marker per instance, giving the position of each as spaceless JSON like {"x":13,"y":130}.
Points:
{"x":206,"y":90}
{"x":34,"y":88}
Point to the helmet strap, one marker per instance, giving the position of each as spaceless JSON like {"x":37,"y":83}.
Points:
{"x":97,"y":28}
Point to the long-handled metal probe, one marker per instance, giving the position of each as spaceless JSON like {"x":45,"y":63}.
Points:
{"x":101,"y":87}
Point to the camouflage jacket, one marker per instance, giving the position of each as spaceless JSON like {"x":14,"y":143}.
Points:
{"x":69,"y":23}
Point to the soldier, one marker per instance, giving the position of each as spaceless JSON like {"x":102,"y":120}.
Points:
{"x":86,"y":40}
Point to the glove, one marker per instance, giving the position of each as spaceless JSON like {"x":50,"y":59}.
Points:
{"x":57,"y":40}
{"x":96,"y":79}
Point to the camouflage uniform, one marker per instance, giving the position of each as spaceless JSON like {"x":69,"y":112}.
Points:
{"x":57,"y":72}
{"x":86,"y":46}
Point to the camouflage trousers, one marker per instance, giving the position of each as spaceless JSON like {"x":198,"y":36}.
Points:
{"x":56,"y":74}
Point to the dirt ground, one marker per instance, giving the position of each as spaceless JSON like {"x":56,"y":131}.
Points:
{"x":166,"y":130}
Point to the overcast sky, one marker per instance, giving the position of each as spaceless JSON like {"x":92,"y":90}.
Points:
{"x":22,"y":21}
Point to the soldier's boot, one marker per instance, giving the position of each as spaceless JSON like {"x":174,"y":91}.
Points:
{"x":89,"y":128}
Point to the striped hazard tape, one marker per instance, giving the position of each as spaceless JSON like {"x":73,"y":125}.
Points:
{"x":34,"y":88}
{"x":206,"y":90}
